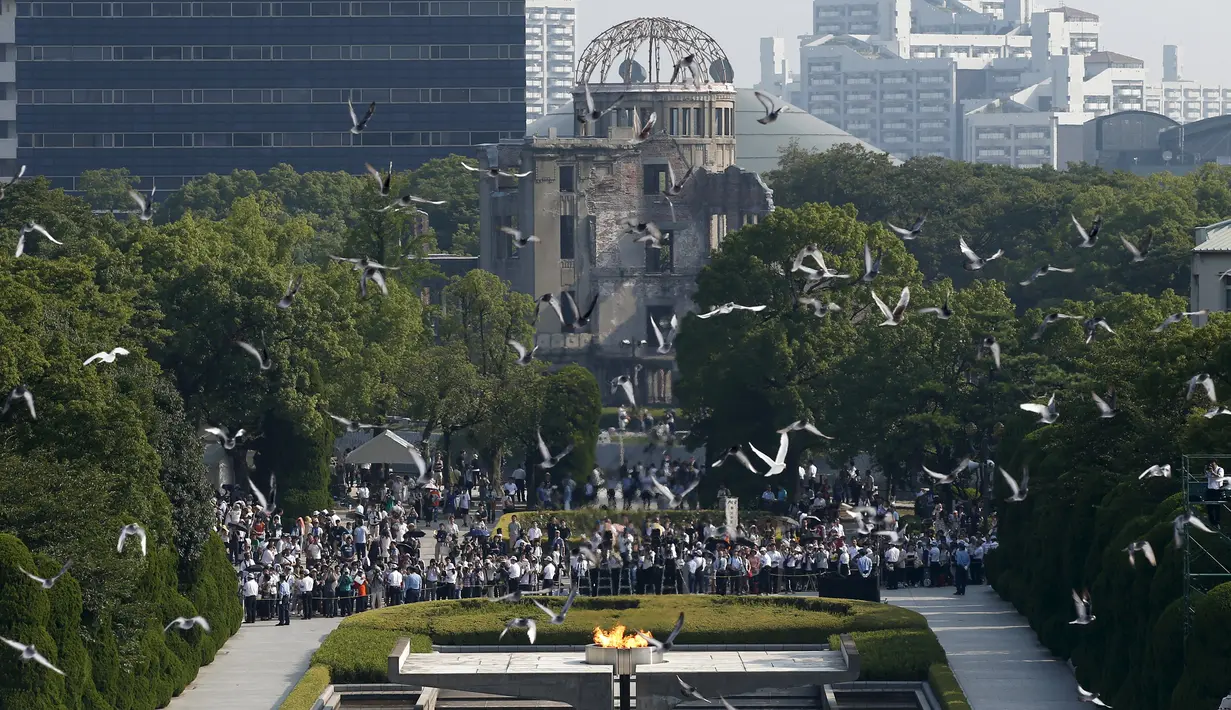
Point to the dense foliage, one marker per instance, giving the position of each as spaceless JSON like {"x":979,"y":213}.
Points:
{"x":926,"y":392}
{"x":121,"y":442}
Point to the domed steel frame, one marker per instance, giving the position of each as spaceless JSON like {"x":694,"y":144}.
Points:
{"x":652,"y":35}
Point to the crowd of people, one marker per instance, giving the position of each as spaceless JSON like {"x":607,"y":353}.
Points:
{"x":402,"y":543}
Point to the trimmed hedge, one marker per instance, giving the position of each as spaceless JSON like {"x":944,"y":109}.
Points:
{"x":948,"y":690}
{"x":308,"y":689}
{"x":895,"y":654}
{"x":357,"y":651}
{"x":88,"y":650}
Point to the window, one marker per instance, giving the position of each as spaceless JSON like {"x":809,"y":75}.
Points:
{"x":655,"y":179}
{"x":719,"y":121}
{"x":568,"y":178}
{"x":674,"y":127}
{"x":686,"y":126}
{"x":700,"y":119}
{"x":658,"y":261}
{"x":568,"y":229}
{"x":1226,"y":306}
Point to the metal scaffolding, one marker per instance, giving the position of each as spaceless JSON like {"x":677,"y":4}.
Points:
{"x":1202,"y":570}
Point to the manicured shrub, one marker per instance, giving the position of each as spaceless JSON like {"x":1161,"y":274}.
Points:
{"x":948,"y":690}
{"x":357,"y":650}
{"x":308,"y":689}
{"x":25,"y":617}
{"x":65,"y":629}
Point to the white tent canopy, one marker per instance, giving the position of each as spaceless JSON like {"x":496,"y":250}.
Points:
{"x":387,"y":448}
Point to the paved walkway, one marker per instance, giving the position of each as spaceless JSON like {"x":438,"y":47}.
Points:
{"x":992,"y":649}
{"x":257,"y":667}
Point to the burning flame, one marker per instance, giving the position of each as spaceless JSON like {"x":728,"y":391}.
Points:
{"x":615,"y":638}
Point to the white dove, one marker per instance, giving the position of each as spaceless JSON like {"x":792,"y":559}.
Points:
{"x":1047,"y":412}
{"x":1146,"y":549}
{"x":778,"y":463}
{"x":1156,"y":471}
{"x":523,"y":356}
{"x":184,"y":623}
{"x":548,"y":459}
{"x":895,"y":316}
{"x":1019,"y":491}
{"x":51,"y":581}
{"x":29,"y":653}
{"x":1182,"y":520}
{"x":625,"y":382}
{"x":126,"y":532}
{"x":105,"y":356}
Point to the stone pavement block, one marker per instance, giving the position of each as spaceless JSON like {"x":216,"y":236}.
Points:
{"x":994,"y":653}
{"x":257,"y":667}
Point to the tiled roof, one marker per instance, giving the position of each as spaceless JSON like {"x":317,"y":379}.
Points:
{"x":1218,"y":238}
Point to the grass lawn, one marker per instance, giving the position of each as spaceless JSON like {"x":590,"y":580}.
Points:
{"x":894,"y":643}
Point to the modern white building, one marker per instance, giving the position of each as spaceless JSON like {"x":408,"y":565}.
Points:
{"x":903,"y":74}
{"x":1181,"y":100}
{"x":551,"y":53}
{"x":8,"y":95}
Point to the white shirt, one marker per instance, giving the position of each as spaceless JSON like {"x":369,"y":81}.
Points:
{"x":306,"y":584}
{"x":892,"y":555}
{"x":1212,"y":477}
{"x":394,"y":578}
{"x":549,"y":571}
{"x":250,"y":588}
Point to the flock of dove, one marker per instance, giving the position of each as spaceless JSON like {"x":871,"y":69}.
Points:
{"x":819,"y":277}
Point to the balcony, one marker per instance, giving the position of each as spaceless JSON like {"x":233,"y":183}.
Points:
{"x":8,"y":148}
{"x":8,"y":72}
{"x":8,"y":110}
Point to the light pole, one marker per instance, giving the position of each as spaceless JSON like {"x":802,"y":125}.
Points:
{"x":983,"y":445}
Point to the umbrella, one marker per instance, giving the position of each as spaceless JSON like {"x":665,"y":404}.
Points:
{"x":479,"y":532}
{"x":416,"y":533}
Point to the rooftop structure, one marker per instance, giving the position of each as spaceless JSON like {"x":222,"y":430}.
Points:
{"x":590,"y":180}
{"x":551,"y":28}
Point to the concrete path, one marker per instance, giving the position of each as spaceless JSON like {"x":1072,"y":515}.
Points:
{"x":992,"y":649}
{"x":257,"y":667}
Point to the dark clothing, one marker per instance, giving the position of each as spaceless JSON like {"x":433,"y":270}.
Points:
{"x":1213,"y":507}
{"x":284,"y":611}
{"x":960,"y":580}
{"x":250,"y":610}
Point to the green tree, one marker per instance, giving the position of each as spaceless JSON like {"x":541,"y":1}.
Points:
{"x":572,"y":406}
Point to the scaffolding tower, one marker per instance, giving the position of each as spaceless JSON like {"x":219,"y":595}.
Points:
{"x":1202,"y":570}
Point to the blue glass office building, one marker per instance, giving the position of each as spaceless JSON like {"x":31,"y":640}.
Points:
{"x":173,"y":90}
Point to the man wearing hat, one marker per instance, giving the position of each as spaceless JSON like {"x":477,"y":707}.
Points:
{"x":250,"y":592}
{"x":892,"y":555}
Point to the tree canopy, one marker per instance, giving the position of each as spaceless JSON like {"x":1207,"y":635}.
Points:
{"x":926,"y":392}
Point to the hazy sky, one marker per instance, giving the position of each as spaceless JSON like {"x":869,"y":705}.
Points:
{"x":1138,"y":28}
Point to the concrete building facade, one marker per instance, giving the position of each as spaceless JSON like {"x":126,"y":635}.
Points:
{"x":585,"y":187}
{"x":172,"y":91}
{"x":1211,"y":259}
{"x":8,"y":90}
{"x":551,"y":35}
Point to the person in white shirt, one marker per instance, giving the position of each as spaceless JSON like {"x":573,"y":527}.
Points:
{"x":892,"y":555}
{"x":250,"y":591}
{"x":393,"y":582}
{"x":305,"y":585}
{"x":549,"y":574}
{"x":1215,"y":479}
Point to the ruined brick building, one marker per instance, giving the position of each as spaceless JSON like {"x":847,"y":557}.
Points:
{"x":585,"y":185}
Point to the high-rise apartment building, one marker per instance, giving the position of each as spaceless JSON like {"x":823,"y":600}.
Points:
{"x":551,"y":51}
{"x":174,"y":90}
{"x":908,"y":75}
{"x":8,"y":94}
